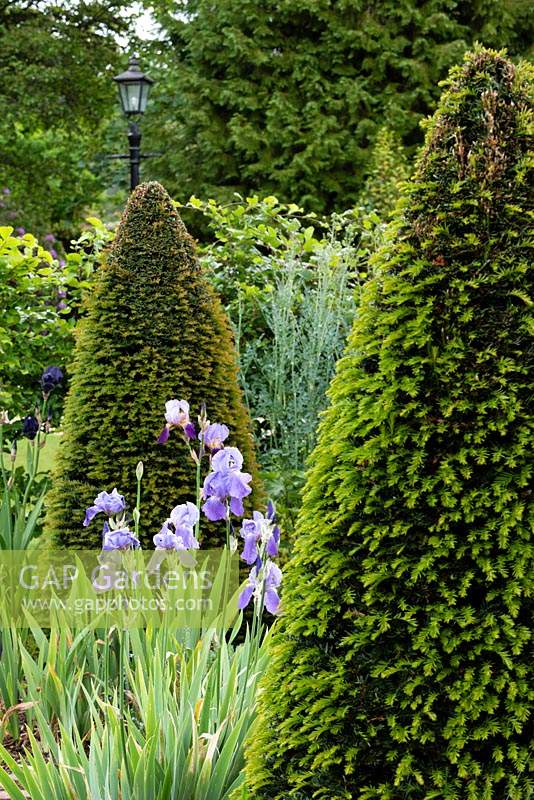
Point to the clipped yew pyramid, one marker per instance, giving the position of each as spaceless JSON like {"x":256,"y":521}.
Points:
{"x":154,"y":331}
{"x":403,"y":665}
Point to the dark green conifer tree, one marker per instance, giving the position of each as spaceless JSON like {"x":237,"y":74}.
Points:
{"x":154,"y":330}
{"x":286,"y":97}
{"x":402,"y":666}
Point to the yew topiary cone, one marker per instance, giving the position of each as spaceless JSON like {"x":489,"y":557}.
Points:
{"x":154,"y":331}
{"x":402,"y":668}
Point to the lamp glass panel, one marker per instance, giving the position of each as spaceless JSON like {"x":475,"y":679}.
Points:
{"x":123,"y":95}
{"x":143,"y":99}
{"x":134,"y":97}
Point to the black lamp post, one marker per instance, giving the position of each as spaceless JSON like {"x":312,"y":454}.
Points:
{"x":134,"y":88}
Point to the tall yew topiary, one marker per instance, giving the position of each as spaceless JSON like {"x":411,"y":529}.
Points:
{"x":403,"y":665}
{"x":154,"y":330}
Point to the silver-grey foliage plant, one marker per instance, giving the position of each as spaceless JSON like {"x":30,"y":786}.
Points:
{"x":290,"y":283}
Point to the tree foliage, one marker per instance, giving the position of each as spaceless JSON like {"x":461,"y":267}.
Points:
{"x":285,"y":97}
{"x":154,"y":330}
{"x":57,"y":96}
{"x":402,"y":666}
{"x":388,"y":169}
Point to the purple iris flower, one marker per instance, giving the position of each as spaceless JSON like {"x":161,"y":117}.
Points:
{"x":177,"y":416}
{"x":121,"y":539}
{"x":225,"y":481}
{"x":214,"y":509}
{"x":164,"y":435}
{"x":50,"y":379}
{"x":273,"y":543}
{"x":214,"y":436}
{"x":273,"y":579}
{"x":105,"y":503}
{"x":271,"y":511}
{"x":177,"y":412}
{"x":5,"y":190}
{"x":263,"y":582}
{"x":49,"y":237}
{"x":188,"y":537}
{"x":30,"y":427}
{"x":183,"y":519}
{"x":259,"y":531}
{"x":167,"y":540}
{"x":228,"y":459}
{"x":20,"y":231}
{"x":246,"y":595}
{"x":251,"y":535}
{"x":186,"y":514}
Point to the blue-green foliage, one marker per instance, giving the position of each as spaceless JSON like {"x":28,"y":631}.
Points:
{"x":290,"y":283}
{"x":287,"y":280}
{"x":402,"y":667}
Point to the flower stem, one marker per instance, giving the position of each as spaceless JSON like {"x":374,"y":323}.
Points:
{"x":7,"y":498}
{"x":226,"y":558}
{"x":137,"y":515}
{"x":4,"y":479}
{"x":35,"y":458}
{"x":106,"y":634}
{"x":198,"y":482}
{"x":122,"y":668}
{"x":255,"y":636}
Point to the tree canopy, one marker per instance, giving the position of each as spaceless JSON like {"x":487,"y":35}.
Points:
{"x":57,"y":99}
{"x":285,"y":97}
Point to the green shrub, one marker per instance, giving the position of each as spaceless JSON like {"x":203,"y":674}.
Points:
{"x":35,"y":329}
{"x":402,"y":667}
{"x":388,"y":169}
{"x":154,"y":330}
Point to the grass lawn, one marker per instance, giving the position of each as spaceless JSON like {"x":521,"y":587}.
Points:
{"x":48,"y":453}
